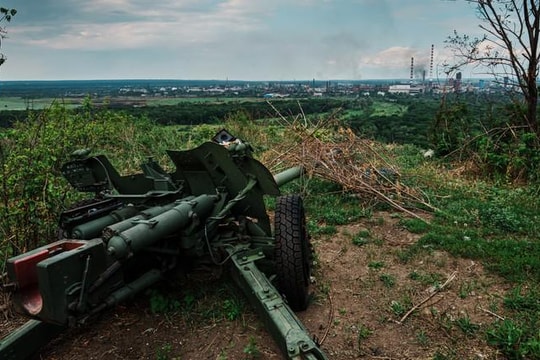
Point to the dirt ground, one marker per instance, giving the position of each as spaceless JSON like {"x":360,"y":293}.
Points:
{"x":362,"y":295}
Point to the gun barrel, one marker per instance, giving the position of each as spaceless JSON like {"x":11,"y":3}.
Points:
{"x":288,"y":175}
{"x":147,"y":232}
{"x":92,"y":229}
{"x":116,"y":228}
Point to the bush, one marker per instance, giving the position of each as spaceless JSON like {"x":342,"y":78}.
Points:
{"x":31,"y":154}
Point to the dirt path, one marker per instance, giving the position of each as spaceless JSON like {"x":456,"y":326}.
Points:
{"x":361,"y":291}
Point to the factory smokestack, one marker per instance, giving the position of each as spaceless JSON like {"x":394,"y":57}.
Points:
{"x":431,"y":64}
{"x":412,"y":69}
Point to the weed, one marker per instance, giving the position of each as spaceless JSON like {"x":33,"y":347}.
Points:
{"x":161,"y":304}
{"x":404,"y":256}
{"x":189,"y":301}
{"x":414,"y":275}
{"x":252,"y":349}
{"x":325,"y":289}
{"x":431,"y":279}
{"x":361,"y":238}
{"x":363,"y":332}
{"x":315,"y":228}
{"x":335,"y":217}
{"x":164,"y":352}
{"x":466,"y":288}
{"x":415,"y":226}
{"x":421,"y":338}
{"x":398,"y":308}
{"x":464,"y":324}
{"x":359,"y":241}
{"x":523,"y":300}
{"x":500,"y":217}
{"x":342,"y":311}
{"x":447,"y":354}
{"x":507,"y":337}
{"x":376,"y":265}
{"x":232,"y":309}
{"x":388,"y":280}
{"x":446,"y":322}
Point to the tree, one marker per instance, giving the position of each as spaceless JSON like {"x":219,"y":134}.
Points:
{"x":509,"y":48}
{"x":5,"y":15}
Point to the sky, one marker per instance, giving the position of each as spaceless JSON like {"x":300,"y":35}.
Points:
{"x":229,"y":39}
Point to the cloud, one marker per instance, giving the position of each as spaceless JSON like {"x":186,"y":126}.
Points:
{"x":123,"y":24}
{"x":395,"y":56}
{"x":248,"y":39}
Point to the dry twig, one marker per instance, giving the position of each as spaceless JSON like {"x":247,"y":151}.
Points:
{"x":360,"y":166}
{"x":492,"y":314}
{"x":330,"y":318}
{"x":437,"y":290}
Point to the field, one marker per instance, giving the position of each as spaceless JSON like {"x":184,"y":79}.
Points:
{"x":452,"y":276}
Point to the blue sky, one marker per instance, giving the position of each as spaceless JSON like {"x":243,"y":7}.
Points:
{"x":234,"y":39}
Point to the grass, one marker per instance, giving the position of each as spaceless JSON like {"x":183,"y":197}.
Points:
{"x":388,"y":280}
{"x":465,"y":324}
{"x":361,"y":238}
{"x":17,"y":103}
{"x":252,"y":349}
{"x":496,"y":225}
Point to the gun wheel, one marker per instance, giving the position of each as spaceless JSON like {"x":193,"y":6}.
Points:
{"x":292,"y":251}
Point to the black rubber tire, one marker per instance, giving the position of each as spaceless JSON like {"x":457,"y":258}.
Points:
{"x":292,"y":252}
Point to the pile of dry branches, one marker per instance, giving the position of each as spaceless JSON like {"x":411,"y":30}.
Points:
{"x":363,"y":167}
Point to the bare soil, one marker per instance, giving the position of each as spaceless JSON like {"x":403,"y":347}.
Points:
{"x":361,"y":298}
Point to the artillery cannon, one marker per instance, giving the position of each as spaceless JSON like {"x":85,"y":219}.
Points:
{"x":138,"y":228}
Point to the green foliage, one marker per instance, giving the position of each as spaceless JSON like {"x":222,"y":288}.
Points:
{"x":488,"y":132}
{"x":361,"y":238}
{"x":217,"y":112}
{"x":465,"y":324}
{"x":31,"y":153}
{"x":511,"y":339}
{"x":521,"y":299}
{"x":432,"y":279}
{"x":252,"y":349}
{"x":501,"y":217}
{"x":363,"y":332}
{"x":495,"y":224}
{"x":421,"y":337}
{"x":376,"y":265}
{"x":5,"y":15}
{"x":403,"y":120}
{"x":321,"y":229}
{"x":388,"y":280}
{"x":232,"y":308}
{"x":164,"y":352}
{"x":444,"y":354}
{"x":398,"y":308}
{"x":452,"y":126}
{"x":414,"y":225}
{"x":510,"y":154}
{"x":162,"y":304}
{"x":335,"y":208}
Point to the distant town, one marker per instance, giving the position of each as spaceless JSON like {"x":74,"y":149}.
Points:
{"x":219,"y":88}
